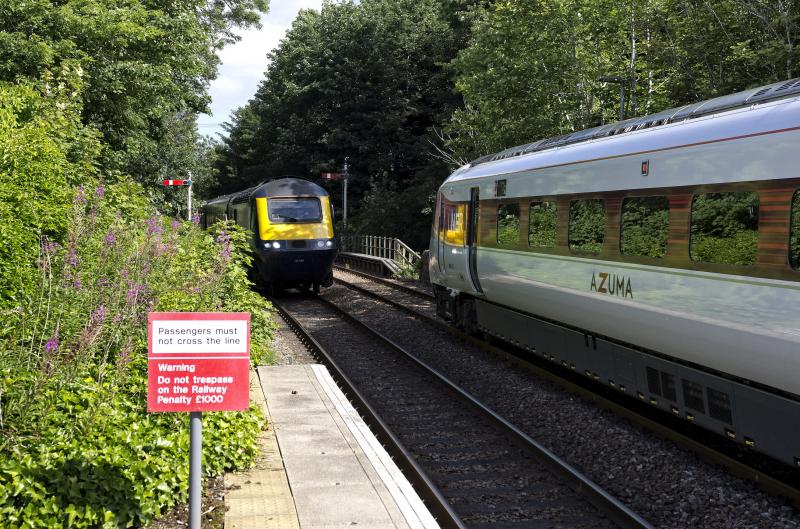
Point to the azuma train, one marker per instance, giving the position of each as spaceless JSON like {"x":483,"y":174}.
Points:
{"x":290,"y":221}
{"x":659,"y":256}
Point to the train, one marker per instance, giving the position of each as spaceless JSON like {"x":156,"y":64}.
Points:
{"x":291,"y":231}
{"x":659,"y":256}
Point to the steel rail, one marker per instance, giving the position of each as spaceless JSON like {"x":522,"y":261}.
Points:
{"x":397,"y":286}
{"x":735,"y":467}
{"x":438,"y":505}
{"x":606,"y":503}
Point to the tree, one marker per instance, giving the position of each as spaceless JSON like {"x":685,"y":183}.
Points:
{"x":144,"y":62}
{"x":533,"y":67}
{"x":361,"y":81}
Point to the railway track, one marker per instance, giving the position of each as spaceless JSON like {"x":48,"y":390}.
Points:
{"x":474,"y":468}
{"x":408,"y":289}
{"x":772,"y":477}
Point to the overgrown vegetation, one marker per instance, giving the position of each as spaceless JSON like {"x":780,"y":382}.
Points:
{"x":725,"y":228}
{"x":78,"y":446}
{"x":96,"y":98}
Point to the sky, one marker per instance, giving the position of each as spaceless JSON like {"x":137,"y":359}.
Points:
{"x":244,"y":63}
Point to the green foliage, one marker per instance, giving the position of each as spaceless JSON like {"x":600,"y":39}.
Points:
{"x":78,"y":447}
{"x":725,"y":228}
{"x":142,"y":62}
{"x":587,"y":225}
{"x":533,"y":67}
{"x":542,"y":225}
{"x":44,"y":152}
{"x":645,"y":226}
{"x":88,"y":87}
{"x":738,"y":249}
{"x":508,"y":225}
{"x":724,"y":214}
{"x":364,"y":81}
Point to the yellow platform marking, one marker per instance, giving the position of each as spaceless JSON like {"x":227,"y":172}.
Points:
{"x":260,"y":497}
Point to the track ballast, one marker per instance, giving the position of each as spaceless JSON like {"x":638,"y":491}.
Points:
{"x":490,"y":475}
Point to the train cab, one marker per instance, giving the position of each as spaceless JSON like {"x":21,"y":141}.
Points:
{"x":290,"y":221}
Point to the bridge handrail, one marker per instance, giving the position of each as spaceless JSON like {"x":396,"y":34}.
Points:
{"x":380,"y":246}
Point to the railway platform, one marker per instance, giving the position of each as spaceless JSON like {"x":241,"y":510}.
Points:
{"x":320,"y":465}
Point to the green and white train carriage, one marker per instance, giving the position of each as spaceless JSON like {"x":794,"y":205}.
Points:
{"x":660,"y":256}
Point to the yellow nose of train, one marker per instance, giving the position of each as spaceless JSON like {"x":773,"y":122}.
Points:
{"x":291,"y":225}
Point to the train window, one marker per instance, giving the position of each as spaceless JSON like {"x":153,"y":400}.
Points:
{"x":542,"y":224}
{"x":725,"y":228}
{"x":454,"y":223}
{"x":508,"y":225}
{"x":645,"y":226}
{"x":587,"y":225}
{"x":287,"y":210}
{"x":794,"y":243}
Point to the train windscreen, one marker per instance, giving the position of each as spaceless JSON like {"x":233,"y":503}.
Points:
{"x":286,"y":210}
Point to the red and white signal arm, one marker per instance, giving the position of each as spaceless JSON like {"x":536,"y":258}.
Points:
{"x":332,"y":176}
{"x":198,"y":361}
{"x":177,"y":182}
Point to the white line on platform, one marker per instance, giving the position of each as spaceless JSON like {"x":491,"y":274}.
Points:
{"x":410,"y":504}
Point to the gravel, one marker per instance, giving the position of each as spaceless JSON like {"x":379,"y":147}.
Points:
{"x":288,"y":349}
{"x":664,"y":483}
{"x":487,"y":477}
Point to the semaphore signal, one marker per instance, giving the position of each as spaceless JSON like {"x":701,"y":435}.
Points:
{"x":177,"y":182}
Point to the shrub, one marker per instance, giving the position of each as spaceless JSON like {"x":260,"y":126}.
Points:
{"x":78,"y":448}
{"x":44,"y":153}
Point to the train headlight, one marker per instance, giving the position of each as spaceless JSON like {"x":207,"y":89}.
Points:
{"x":276,"y":245}
{"x":329,"y":244}
{"x":320,"y":244}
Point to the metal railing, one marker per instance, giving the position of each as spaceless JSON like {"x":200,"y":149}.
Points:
{"x":378,"y":246}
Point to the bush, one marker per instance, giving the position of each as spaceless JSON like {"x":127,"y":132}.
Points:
{"x":741,"y":249}
{"x":78,"y":447}
{"x":44,"y":153}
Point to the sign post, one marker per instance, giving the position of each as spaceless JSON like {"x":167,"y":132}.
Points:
{"x":346,"y":176}
{"x":343,"y":176}
{"x":185,"y":183}
{"x":196,"y":362}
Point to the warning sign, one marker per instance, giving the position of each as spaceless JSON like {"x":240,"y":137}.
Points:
{"x":198,"y":361}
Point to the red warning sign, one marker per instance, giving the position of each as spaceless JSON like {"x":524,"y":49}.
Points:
{"x":198,"y":361}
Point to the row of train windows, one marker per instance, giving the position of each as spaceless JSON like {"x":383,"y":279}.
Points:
{"x":724,"y":227}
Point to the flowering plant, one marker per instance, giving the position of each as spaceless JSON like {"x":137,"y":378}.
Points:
{"x":73,"y":421}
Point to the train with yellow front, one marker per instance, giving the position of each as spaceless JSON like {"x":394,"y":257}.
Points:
{"x":291,"y":232}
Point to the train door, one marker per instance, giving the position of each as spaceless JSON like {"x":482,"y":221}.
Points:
{"x":473,"y":212}
{"x":440,"y":234}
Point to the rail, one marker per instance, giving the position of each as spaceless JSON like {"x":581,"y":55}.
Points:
{"x":379,"y":246}
{"x":616,"y":511}
{"x":438,"y":505}
{"x":743,"y":469}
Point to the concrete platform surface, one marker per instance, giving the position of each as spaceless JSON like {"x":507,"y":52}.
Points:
{"x":260,"y":498}
{"x":339,"y":474}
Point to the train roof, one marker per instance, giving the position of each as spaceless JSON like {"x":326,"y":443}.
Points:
{"x":280,"y":187}
{"x":290,"y":187}
{"x":696,"y":123}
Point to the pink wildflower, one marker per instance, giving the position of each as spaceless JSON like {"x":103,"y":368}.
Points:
{"x":52,"y":344}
